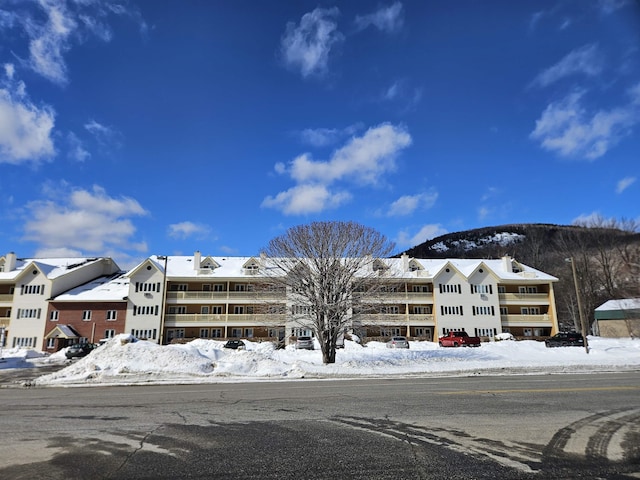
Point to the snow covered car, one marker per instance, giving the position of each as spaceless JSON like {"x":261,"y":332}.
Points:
{"x":565,"y":339}
{"x":79,"y":350}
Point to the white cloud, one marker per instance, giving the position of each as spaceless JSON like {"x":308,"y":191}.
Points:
{"x":76,"y":151}
{"x":625,"y":183}
{"x":305,"y":199}
{"x":387,"y":19}
{"x":586,"y":60}
{"x":86,"y":221}
{"x":363,"y":160}
{"x":407,"y":204}
{"x":184,"y":230}
{"x":25,"y":129}
{"x":567,"y":129}
{"x":105,"y":136}
{"x":59,"y":25}
{"x":322,"y":137}
{"x":609,"y":6}
{"x":307,"y":46}
{"x":427,"y":232}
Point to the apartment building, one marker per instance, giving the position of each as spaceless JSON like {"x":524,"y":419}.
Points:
{"x":90,"y":313}
{"x":27,"y":286}
{"x":227,"y":297}
{"x":176,"y":298}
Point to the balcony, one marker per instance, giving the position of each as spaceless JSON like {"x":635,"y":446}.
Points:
{"x":199,"y":296}
{"x":391,"y":319}
{"x":524,"y":298}
{"x":6,"y":298}
{"x":217,"y":319}
{"x":526,"y":320}
{"x":4,"y":322}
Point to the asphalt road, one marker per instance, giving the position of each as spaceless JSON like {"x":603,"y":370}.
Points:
{"x":539,"y":427}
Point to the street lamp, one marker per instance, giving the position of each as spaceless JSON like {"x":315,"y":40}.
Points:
{"x":583,"y":326}
{"x":164,"y":295}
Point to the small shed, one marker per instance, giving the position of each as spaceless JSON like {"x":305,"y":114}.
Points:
{"x":619,"y":318}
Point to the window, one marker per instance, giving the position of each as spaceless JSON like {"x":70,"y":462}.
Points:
{"x":218,"y":287}
{"x":112,"y":315}
{"x":528,"y":289}
{"x":504,"y":311}
{"x":421,"y":310}
{"x":390,"y":332}
{"x":54,"y":315}
{"x":236,"y":332}
{"x":86,"y":315}
{"x":29,"y":313}
{"x":447,"y":288}
{"x":238,"y":309}
{"x":24,"y":342}
{"x":451,"y":310}
{"x":204,"y":333}
{"x":420,"y":288}
{"x":217,"y":309}
{"x":181,"y":310}
{"x":147,"y":287}
{"x":480,"y":288}
{"x":248,"y":332}
{"x":178,"y":287}
{"x":485,"y":332}
{"x":502,"y":289}
{"x":204,"y":310}
{"x":390,"y":309}
{"x":109,"y":333}
{"x":216,"y":333}
{"x":483,"y":310}
{"x":51,"y":343}
{"x":145,"y":310}
{"x":530,"y":310}
{"x":422,"y":332}
{"x":32,"y":290}
{"x":301,"y":309}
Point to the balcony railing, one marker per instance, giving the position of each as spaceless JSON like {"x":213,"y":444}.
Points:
{"x":526,"y":320}
{"x":6,"y":297}
{"x":201,"y":319}
{"x":221,"y":296}
{"x":389,"y":319}
{"x":524,"y":298}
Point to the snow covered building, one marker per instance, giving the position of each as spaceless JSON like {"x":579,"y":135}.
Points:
{"x":50,"y":303}
{"x":227,"y":297}
{"x":27,"y":285}
{"x":89,"y":313}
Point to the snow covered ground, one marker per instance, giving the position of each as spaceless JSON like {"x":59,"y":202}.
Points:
{"x":126,"y":360}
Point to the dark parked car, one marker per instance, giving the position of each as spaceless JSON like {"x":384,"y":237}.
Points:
{"x":565,"y":339}
{"x":79,"y":350}
{"x":235,"y":344}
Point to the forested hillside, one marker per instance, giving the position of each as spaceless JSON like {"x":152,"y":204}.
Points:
{"x":606,"y":255}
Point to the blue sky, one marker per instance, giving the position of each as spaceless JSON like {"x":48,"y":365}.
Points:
{"x":164,"y":127}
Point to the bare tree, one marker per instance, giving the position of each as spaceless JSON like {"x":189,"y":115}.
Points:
{"x":328,"y":271}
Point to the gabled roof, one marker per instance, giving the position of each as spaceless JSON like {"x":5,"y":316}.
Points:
{"x":109,"y":288}
{"x":50,"y":267}
{"x":62,"y":331}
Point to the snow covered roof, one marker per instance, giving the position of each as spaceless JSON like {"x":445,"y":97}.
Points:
{"x":109,"y":288}
{"x":505,"y":269}
{"x":51,"y":267}
{"x":622,"y":304}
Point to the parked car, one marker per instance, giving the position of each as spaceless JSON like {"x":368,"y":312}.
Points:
{"x":235,"y":344}
{"x":79,"y":350}
{"x":304,"y":343}
{"x":458,"y":339}
{"x":398,"y":342}
{"x":565,"y":339}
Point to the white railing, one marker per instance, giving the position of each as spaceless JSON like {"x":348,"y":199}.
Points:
{"x":187,"y":319}
{"x":532,"y":320}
